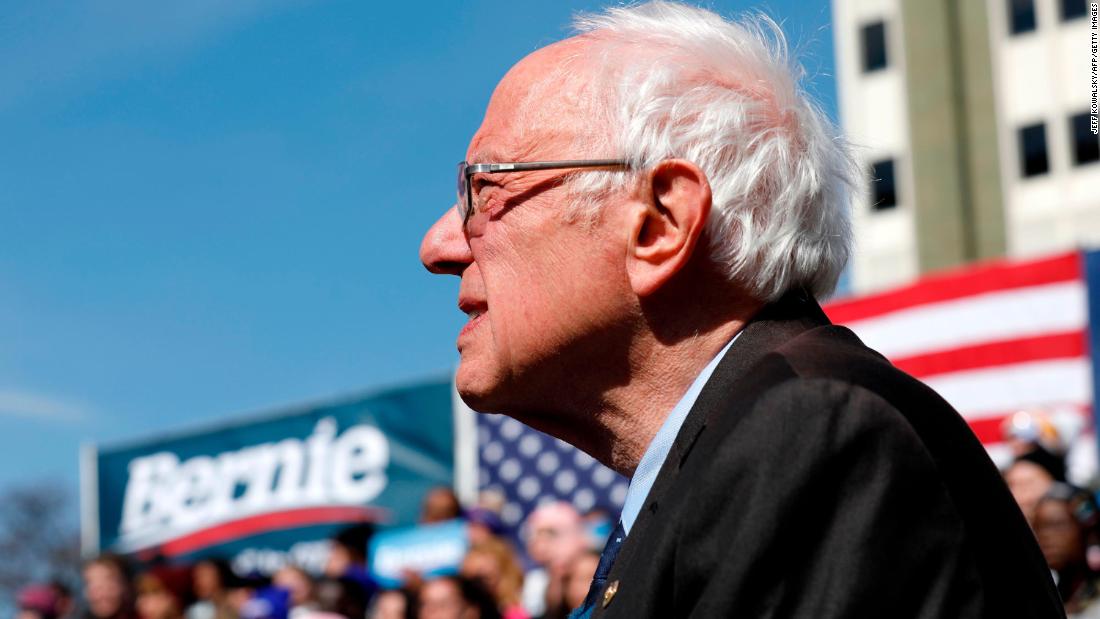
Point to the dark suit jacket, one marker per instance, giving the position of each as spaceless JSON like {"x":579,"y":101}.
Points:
{"x":813,"y":479}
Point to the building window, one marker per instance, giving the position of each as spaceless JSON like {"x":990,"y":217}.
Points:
{"x":1072,"y":9}
{"x":1021,"y":16}
{"x":874,"y":46}
{"x":1033,"y":150}
{"x":884,"y":193}
{"x":1086,"y":144}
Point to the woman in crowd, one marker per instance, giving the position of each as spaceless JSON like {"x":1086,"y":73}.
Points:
{"x":493,"y":562}
{"x":107,"y":588}
{"x":393,"y":604}
{"x":1031,"y":475}
{"x":1066,"y":526}
{"x":211,"y":580}
{"x":37,"y":602}
{"x":161,"y":593}
{"x":299,"y":584}
{"x":579,"y":577}
{"x":456,"y":597}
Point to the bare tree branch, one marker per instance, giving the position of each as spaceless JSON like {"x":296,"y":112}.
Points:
{"x":39,"y":536}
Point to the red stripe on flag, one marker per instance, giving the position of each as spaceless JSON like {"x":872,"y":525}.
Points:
{"x":262,"y":523}
{"x":987,"y":277}
{"x":1068,"y":345}
{"x":988,"y":430}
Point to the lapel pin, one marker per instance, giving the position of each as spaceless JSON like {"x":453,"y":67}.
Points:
{"x":610,"y":592}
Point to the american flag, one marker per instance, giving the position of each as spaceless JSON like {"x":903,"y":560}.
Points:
{"x":994,"y":339}
{"x":530,"y":468}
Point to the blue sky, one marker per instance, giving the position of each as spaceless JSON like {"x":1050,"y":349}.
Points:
{"x":210,"y":208}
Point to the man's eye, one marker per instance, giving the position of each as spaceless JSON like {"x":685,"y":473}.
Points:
{"x":480,"y":183}
{"x":483,"y":191}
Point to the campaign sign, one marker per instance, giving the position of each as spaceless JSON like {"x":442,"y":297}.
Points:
{"x":429,"y":550}
{"x":264,"y":492}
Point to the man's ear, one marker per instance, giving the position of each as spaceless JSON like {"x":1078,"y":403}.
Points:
{"x":666,"y":231}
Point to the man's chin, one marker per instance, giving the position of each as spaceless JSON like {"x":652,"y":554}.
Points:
{"x":494,"y":401}
{"x":479,"y":403}
{"x":486,"y":389}
{"x":478,"y":393}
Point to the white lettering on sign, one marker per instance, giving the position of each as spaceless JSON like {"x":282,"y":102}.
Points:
{"x":164,"y":495}
{"x":393,"y":561}
{"x":310,"y":556}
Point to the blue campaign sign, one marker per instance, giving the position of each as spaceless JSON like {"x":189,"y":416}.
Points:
{"x":428,"y":550}
{"x":262,"y":492}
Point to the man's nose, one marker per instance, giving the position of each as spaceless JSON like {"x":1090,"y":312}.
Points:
{"x":444,"y":249}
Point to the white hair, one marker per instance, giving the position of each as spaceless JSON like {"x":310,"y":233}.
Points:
{"x":682,"y":82}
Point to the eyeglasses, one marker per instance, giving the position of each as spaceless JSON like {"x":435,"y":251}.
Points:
{"x":465,"y":203}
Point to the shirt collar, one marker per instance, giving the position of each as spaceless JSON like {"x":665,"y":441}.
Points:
{"x":655,"y":455}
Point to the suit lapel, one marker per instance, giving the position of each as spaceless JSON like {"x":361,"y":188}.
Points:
{"x":771,"y":327}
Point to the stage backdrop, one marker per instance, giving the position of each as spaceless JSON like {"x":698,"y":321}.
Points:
{"x":264,"y":491}
{"x":996,"y":338}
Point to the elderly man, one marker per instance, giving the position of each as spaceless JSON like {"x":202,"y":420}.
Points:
{"x":644,"y":220}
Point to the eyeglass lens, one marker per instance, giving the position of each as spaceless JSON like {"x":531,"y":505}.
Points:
{"x":463,"y":203}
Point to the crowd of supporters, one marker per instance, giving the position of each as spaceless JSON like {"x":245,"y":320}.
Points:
{"x":543,"y":579}
{"x":1064,"y":517}
{"x":495,"y":580}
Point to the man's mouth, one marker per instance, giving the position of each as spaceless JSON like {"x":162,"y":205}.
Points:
{"x":475,"y":312}
{"x":473,"y":308}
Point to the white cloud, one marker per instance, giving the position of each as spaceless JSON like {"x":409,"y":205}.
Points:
{"x":27,"y":405}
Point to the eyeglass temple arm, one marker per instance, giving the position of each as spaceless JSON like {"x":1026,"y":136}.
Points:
{"x":489,"y":168}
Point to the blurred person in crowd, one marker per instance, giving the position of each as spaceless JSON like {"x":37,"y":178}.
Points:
{"x":37,"y":602}
{"x":162,"y":592}
{"x":1066,"y":520}
{"x":66,"y":604}
{"x":483,"y":525}
{"x":1027,"y":430}
{"x":440,"y":505}
{"x":393,"y":604}
{"x":492,"y":500}
{"x":456,"y":597}
{"x":598,"y":524}
{"x":348,"y":550}
{"x":107,"y":588}
{"x":348,"y":557}
{"x":267,"y":602}
{"x":493,"y":562}
{"x":1031,"y":475}
{"x":242,"y":590}
{"x":299,"y":584}
{"x":555,"y":538}
{"x":643,"y":225}
{"x":342,"y":596}
{"x":210,"y":583}
{"x":578,"y":576}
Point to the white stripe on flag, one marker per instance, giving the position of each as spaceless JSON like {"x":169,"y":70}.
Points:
{"x":1010,"y":314}
{"x":1008,"y":388}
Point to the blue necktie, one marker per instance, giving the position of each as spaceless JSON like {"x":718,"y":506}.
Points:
{"x":607,"y":559}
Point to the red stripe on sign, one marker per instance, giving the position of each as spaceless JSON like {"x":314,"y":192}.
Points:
{"x":987,"y":277}
{"x":1068,"y":345}
{"x":263,"y":523}
{"x":988,"y":429}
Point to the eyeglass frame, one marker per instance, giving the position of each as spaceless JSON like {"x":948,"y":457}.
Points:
{"x":467,"y":170}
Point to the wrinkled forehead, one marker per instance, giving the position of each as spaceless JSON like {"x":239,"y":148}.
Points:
{"x":537,"y":109}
